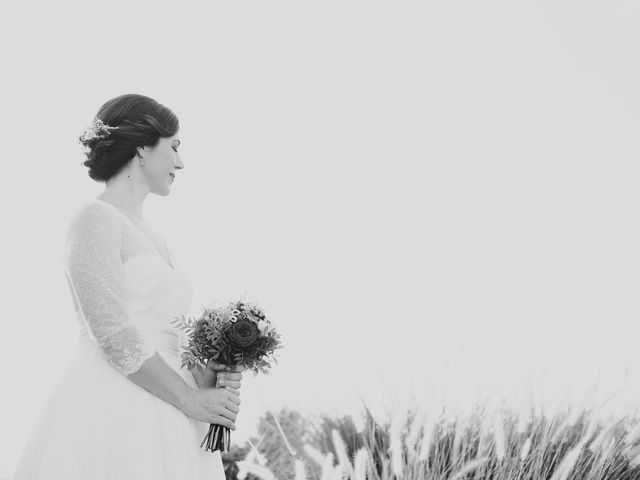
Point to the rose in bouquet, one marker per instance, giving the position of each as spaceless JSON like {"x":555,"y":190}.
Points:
{"x":237,"y":334}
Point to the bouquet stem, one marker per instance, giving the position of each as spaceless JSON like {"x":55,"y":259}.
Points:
{"x":218,"y":438}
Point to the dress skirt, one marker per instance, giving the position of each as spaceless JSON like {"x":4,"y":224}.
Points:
{"x":99,"y":425}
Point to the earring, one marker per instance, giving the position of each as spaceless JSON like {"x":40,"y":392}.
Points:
{"x":141,"y":162}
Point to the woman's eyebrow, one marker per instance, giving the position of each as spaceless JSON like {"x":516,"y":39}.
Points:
{"x":176,"y":140}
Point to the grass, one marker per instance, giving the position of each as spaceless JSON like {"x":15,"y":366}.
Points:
{"x":432,"y":445}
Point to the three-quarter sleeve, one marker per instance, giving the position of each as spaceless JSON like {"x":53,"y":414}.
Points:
{"x":96,"y":275}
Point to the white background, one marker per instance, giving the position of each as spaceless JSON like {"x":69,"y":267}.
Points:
{"x":432,"y":200}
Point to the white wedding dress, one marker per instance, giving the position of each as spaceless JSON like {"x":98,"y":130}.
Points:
{"x":98,"y":424}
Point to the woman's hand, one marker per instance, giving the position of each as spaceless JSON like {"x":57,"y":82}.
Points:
{"x":216,"y":405}
{"x":230,"y":379}
{"x":227,"y":376}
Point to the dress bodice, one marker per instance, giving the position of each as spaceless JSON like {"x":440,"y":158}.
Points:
{"x":157,"y":295}
{"x":125,"y":293}
{"x":98,"y":424}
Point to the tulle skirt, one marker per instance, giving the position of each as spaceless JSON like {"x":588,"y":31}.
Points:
{"x":99,"y":425}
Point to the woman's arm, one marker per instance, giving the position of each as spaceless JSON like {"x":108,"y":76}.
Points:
{"x":217,"y":405}
{"x":97,"y":279}
{"x":157,"y":377}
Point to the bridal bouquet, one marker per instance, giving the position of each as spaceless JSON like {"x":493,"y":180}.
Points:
{"x":238,"y":334}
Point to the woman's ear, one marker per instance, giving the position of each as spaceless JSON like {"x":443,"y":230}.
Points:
{"x":140,"y":152}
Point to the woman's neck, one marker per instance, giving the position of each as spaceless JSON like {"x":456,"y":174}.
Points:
{"x":126,"y":194}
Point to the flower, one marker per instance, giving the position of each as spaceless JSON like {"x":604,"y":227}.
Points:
{"x":97,"y":129}
{"x":263,"y":325}
{"x":243,"y":333}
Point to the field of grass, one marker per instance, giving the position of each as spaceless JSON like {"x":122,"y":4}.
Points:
{"x":487,"y":444}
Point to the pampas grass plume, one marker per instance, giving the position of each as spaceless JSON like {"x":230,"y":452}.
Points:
{"x":468,"y":467}
{"x":396,"y":445}
{"x":361,"y":464}
{"x":567,"y":464}
{"x":341,"y":452}
{"x":526,"y":448}
{"x":498,"y":433}
{"x":254,"y":469}
{"x":301,"y":471}
{"x":428,"y":431}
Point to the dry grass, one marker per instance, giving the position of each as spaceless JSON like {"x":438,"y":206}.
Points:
{"x":483,"y":445}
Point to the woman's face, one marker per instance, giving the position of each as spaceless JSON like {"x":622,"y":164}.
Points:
{"x":161,"y":163}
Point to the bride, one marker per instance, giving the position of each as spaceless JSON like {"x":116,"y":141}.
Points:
{"x":124,"y":408}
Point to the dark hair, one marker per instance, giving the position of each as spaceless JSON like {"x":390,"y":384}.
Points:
{"x":141,"y":122}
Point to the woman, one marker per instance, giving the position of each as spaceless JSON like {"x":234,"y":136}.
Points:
{"x":125,"y":409}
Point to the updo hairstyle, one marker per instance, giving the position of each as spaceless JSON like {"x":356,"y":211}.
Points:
{"x":141,"y":122}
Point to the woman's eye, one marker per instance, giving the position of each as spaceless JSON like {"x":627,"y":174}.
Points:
{"x":175,"y":149}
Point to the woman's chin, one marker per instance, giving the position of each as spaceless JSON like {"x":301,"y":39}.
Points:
{"x":164,"y":191}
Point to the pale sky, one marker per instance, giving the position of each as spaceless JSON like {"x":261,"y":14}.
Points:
{"x":431,"y":200}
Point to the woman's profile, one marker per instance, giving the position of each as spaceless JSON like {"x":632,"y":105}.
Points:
{"x":124,"y":409}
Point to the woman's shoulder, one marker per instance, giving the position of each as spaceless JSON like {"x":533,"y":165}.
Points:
{"x":93,"y":213}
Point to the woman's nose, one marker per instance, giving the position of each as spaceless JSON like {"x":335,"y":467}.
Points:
{"x":180,"y":165}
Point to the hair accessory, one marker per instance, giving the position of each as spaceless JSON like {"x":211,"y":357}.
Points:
{"x":97,"y":129}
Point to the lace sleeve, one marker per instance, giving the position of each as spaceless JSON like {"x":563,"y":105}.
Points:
{"x":96,"y":275}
